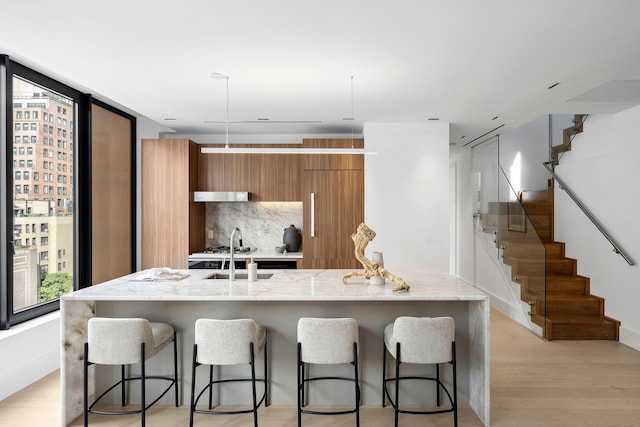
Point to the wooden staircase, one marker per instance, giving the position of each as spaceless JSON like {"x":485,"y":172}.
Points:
{"x":572,"y":313}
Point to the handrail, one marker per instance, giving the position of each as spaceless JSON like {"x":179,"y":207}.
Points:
{"x":563,"y":186}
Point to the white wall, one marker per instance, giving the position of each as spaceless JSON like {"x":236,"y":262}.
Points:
{"x":522,"y":152}
{"x":407,"y":193}
{"x":602,"y":170}
{"x":28,"y":352}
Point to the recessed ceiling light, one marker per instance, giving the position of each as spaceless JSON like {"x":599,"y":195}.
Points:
{"x":262,"y":119}
{"x":463,"y":137}
{"x":433,"y":118}
{"x":348,"y":118}
{"x":170,"y":118}
{"x":495,"y":118}
{"x":553,"y":85}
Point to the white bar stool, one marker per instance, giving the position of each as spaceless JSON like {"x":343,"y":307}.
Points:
{"x":228,"y":342}
{"x":127,"y":341}
{"x":327,"y":341}
{"x":420,"y":340}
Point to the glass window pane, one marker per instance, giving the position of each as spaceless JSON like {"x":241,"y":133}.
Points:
{"x":48,"y":214}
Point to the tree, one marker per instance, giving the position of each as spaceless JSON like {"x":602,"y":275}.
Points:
{"x":54,"y":285}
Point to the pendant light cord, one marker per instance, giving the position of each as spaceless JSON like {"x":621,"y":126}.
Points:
{"x":353,"y":119}
{"x":227,"y":122}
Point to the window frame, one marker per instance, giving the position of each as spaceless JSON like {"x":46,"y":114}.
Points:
{"x":9,"y":69}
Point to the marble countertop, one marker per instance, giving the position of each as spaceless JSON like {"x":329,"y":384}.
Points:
{"x":284,"y":285}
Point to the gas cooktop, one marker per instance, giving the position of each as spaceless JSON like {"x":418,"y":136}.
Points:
{"x":226,"y":250}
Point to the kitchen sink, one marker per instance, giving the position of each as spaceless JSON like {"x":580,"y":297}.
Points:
{"x":239,"y":276}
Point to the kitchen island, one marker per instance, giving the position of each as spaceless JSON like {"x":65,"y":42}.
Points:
{"x":277,"y":303}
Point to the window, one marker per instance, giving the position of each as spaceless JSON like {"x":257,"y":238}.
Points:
{"x":18,"y":176}
{"x":20,"y":299}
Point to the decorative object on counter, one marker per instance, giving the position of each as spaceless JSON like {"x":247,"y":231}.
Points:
{"x":292,"y":238}
{"x":376,"y":258}
{"x":281,"y":249}
{"x":252,"y":271}
{"x":361,"y":239}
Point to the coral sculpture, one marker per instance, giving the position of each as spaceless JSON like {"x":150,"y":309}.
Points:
{"x":361,"y":239}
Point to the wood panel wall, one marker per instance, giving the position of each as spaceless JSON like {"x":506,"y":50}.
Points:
{"x":111,"y":189}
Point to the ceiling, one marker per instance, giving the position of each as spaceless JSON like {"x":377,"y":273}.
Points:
{"x":477,"y":65}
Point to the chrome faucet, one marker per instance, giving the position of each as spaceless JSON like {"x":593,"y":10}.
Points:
{"x":232,"y":264}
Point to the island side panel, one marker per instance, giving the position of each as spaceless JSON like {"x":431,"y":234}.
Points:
{"x":479,"y":359}
{"x":73,"y":332}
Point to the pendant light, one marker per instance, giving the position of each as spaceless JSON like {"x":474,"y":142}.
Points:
{"x":257,"y":150}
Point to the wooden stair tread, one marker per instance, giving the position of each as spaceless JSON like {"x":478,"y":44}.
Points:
{"x":575,"y":319}
{"x":576,"y":298}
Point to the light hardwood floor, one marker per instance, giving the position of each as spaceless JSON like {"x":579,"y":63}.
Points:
{"x":533,"y":383}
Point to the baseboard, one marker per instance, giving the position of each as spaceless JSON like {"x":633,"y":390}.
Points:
{"x":510,"y":310}
{"x":630,"y":338}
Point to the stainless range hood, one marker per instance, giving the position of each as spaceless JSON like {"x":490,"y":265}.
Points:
{"x":220,"y":196}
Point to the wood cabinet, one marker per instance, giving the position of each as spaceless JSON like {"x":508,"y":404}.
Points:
{"x":268,"y":177}
{"x":333,"y":205}
{"x":333,"y":209}
{"x":336,"y":182}
{"x":172,"y":224}
{"x":276,"y":177}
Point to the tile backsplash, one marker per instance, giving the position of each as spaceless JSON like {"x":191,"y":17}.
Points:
{"x":262,"y":223}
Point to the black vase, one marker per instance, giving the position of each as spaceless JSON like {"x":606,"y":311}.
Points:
{"x":292,"y":238}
